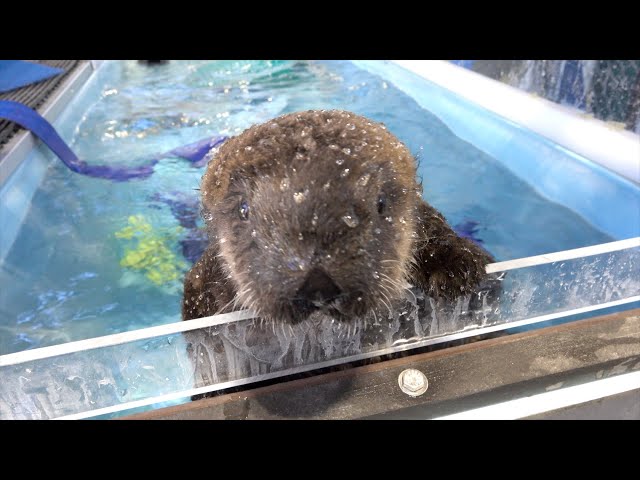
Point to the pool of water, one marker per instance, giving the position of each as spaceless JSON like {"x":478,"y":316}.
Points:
{"x":82,"y":263}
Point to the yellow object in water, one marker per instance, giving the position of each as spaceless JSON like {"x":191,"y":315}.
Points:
{"x":152,"y":254}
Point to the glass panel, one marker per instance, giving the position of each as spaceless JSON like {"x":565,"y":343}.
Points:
{"x":173,"y":367}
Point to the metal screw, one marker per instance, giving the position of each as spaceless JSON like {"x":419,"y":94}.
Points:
{"x":413,"y":382}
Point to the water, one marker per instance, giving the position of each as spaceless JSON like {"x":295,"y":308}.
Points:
{"x":63,"y":279}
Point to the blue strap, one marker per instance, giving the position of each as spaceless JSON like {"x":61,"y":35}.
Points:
{"x":33,"y":121}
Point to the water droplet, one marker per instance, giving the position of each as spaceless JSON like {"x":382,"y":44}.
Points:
{"x":402,"y":220}
{"x":351,"y":126}
{"x":314,"y":220}
{"x":326,"y":185}
{"x":300,"y":237}
{"x":363,"y":180}
{"x":253,"y":233}
{"x":248,"y":148}
{"x":284,"y":184}
{"x":351,"y":220}
{"x":299,"y":197}
{"x":346,"y":151}
{"x":451,"y":274}
{"x":340,"y":161}
{"x":389,"y":219}
{"x":359,"y":299}
{"x":376,"y":275}
{"x":377,"y":231}
{"x":344,"y":173}
{"x":333,"y":146}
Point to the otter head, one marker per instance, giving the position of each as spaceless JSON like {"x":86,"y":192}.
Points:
{"x":313,"y":211}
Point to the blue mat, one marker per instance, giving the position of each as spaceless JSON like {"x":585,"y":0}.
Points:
{"x":17,"y":73}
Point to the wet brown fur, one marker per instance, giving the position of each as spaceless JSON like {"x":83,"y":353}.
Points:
{"x":312,"y":181}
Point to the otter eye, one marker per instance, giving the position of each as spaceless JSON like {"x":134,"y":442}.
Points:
{"x":243,"y":210}
{"x":382,"y":203}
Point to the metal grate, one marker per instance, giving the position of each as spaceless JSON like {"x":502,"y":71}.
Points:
{"x":36,"y":94}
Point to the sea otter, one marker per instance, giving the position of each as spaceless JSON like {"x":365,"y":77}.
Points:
{"x":321,"y":211}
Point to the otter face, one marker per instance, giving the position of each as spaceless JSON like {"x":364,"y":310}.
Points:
{"x":313,"y":212}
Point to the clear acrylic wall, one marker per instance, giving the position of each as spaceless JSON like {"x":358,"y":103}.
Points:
{"x":153,"y":367}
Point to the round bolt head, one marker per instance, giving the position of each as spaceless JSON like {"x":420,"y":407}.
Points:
{"x":413,"y":382}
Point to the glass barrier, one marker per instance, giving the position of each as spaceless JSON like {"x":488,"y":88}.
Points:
{"x":172,"y":362}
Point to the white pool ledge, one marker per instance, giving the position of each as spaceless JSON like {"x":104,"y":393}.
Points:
{"x":602,"y":142}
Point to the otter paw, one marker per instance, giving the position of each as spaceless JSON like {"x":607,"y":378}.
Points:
{"x":464,"y":271}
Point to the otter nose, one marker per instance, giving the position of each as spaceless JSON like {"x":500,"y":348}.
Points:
{"x":318,"y":287}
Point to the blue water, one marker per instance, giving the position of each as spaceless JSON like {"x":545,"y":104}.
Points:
{"x":63,"y":279}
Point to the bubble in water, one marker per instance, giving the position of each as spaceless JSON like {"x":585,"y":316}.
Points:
{"x":351,"y":220}
{"x":340,"y":161}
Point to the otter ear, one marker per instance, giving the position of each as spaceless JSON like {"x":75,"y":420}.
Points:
{"x":446,"y":265}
